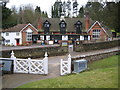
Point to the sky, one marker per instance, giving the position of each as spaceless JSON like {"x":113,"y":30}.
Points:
{"x":45,"y":5}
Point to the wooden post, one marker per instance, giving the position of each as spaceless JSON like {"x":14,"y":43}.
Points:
{"x":69,"y":63}
{"x":14,"y":61}
{"x":45,"y":63}
{"x":14,"y":65}
{"x":12,"y":55}
{"x":29,"y":65}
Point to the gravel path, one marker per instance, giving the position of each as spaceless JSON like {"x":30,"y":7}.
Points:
{"x":14,"y":80}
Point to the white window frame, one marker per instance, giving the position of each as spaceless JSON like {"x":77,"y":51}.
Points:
{"x":29,"y":36}
{"x":17,"y":33}
{"x":7,"y":33}
{"x":96,"y":34}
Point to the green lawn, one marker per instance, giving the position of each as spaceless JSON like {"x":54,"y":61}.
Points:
{"x":102,"y":74}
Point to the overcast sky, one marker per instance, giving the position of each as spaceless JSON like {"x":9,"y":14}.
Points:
{"x":45,"y":5}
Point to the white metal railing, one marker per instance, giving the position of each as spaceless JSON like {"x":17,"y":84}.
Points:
{"x":65,"y":66}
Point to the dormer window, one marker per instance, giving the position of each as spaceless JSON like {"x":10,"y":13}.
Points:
{"x":62,"y":25}
{"x":46,"y":26}
{"x":78,"y":27}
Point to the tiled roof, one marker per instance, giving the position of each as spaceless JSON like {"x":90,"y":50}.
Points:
{"x":16,"y":28}
{"x":70,"y":23}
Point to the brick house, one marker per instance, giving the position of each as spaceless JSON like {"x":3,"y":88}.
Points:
{"x":56,"y":30}
{"x":19,"y":34}
{"x":62,"y":29}
{"x":96,"y":29}
{"x":98,"y":32}
{"x":70,"y":29}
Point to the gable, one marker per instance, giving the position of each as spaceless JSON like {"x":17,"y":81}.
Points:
{"x":29,"y":27}
{"x":97,"y":25}
{"x":29,"y":30}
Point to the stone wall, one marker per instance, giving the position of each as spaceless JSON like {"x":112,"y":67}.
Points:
{"x":36,"y":52}
{"x":95,"y":57}
{"x":83,"y":47}
{"x":91,"y":58}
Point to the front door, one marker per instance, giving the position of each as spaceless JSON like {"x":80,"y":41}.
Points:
{"x":17,"y":42}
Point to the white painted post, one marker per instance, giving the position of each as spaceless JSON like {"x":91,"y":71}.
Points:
{"x":69,"y":63}
{"x":29,"y":65}
{"x":61,"y":62}
{"x":14,"y":60}
{"x":45,"y":63}
{"x":12,"y":55}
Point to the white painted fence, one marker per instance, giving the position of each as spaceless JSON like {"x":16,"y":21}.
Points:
{"x":29,"y":65}
{"x":65,"y":66}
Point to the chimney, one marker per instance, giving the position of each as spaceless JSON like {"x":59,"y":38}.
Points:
{"x":39,"y":23}
{"x":87,"y":20}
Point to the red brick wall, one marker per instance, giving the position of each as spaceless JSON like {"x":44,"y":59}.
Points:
{"x":24,"y":34}
{"x":103,"y":35}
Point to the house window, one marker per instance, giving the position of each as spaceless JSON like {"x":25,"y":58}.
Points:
{"x":46,"y":26}
{"x":62,"y":25}
{"x":17,"y":34}
{"x":29,"y":36}
{"x":7,"y":34}
{"x":96,"y":34}
{"x":78,"y":27}
{"x":7,"y":41}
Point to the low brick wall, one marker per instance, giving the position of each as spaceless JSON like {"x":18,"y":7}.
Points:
{"x":83,"y":47}
{"x":36,"y":52}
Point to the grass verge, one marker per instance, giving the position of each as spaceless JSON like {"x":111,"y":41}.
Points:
{"x":102,"y":74}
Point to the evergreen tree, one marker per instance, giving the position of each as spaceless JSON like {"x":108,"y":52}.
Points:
{"x":38,"y":10}
{"x":106,"y":12}
{"x":7,"y":19}
{"x":81,"y":12}
{"x":52,"y":12}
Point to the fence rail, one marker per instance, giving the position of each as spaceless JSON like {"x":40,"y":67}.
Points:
{"x":31,"y":66}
